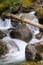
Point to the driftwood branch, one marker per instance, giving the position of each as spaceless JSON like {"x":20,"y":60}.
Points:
{"x":24,"y":20}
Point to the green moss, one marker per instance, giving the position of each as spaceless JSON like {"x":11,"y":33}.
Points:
{"x":6,"y":4}
{"x":39,"y":12}
{"x":27,"y":3}
{"x":32,"y":63}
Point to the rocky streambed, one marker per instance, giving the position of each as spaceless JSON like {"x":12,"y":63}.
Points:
{"x":17,"y":38}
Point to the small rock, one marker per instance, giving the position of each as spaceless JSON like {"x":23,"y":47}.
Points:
{"x":14,"y":22}
{"x":39,"y":35}
{"x":2,"y":34}
{"x":34,"y":52}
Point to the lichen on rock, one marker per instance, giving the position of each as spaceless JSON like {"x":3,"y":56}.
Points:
{"x":3,"y":48}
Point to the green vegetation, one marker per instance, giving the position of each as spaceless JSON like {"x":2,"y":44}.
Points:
{"x":27,"y":4}
{"x":6,"y":4}
{"x":32,"y":63}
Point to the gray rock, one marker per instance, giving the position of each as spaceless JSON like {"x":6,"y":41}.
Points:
{"x":14,"y":22}
{"x":21,"y":32}
{"x":2,"y":34}
{"x":34,"y":52}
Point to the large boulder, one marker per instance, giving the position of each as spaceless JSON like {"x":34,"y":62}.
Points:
{"x":34,"y":52}
{"x":2,"y":34}
{"x":3,"y":48}
{"x":21,"y":32}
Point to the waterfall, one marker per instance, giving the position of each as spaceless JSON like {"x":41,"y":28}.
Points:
{"x":16,"y":47}
{"x":16,"y":52}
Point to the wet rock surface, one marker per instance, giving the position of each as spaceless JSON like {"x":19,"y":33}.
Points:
{"x":21,"y":32}
{"x":3,"y":48}
{"x":14,"y":22}
{"x":34,"y":52}
{"x":2,"y":34}
{"x":15,"y":53}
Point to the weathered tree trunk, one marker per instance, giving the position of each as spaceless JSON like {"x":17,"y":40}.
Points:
{"x":24,"y":20}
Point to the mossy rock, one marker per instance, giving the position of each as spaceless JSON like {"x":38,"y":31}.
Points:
{"x":27,"y":5}
{"x":34,"y":52}
{"x":4,"y":7}
{"x":32,"y":63}
{"x":21,"y":32}
{"x":3,"y":48}
{"x":39,"y":12}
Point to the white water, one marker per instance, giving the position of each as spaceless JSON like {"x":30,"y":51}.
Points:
{"x":15,"y":54}
{"x":4,"y":25}
{"x":16,"y":47}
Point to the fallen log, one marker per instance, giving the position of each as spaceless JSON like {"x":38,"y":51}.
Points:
{"x":24,"y":20}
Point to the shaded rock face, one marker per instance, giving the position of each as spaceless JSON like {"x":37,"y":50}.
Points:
{"x":26,"y":10}
{"x":41,"y":22}
{"x":2,"y":34}
{"x":3,"y":48}
{"x":17,"y":8}
{"x":14,"y":22}
{"x":34,"y":52}
{"x":21,"y":32}
{"x":39,"y":14}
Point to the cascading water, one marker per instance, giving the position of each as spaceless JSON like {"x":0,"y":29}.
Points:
{"x":16,"y":47}
{"x":16,"y":52}
{"x":6,"y":24}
